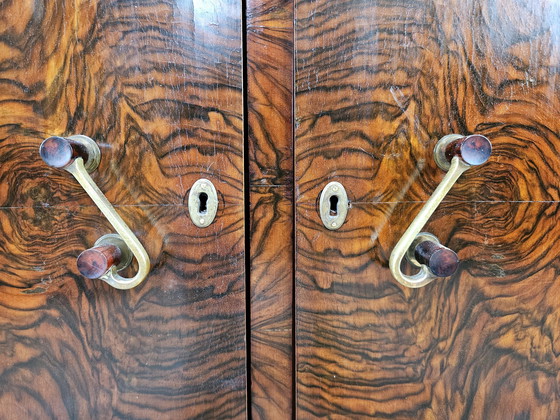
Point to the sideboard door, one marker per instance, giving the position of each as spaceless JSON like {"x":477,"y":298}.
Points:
{"x":158,"y":86}
{"x":378,"y":83}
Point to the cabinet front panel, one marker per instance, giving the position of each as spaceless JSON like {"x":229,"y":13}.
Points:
{"x":158,"y":85}
{"x":269,"y":83}
{"x":378,"y":83}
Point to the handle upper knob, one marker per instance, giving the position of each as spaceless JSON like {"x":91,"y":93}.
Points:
{"x":59,"y":152}
{"x":471,"y":150}
{"x":474,"y":150}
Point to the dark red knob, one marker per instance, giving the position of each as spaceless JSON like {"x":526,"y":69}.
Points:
{"x":95,"y":262}
{"x":474,"y":150}
{"x":59,"y":152}
{"x":441,"y":261}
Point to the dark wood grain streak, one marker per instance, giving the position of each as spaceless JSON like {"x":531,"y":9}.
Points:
{"x":270,"y":153}
{"x":158,"y":84}
{"x":378,"y":83}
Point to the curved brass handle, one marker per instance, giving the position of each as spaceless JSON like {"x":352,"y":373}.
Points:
{"x":455,"y":154}
{"x":80,"y":155}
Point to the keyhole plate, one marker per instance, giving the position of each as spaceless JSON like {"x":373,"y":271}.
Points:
{"x":203,"y":218}
{"x":332,"y":218}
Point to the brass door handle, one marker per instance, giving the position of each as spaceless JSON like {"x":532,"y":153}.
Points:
{"x":80,"y":155}
{"x":455,"y":154}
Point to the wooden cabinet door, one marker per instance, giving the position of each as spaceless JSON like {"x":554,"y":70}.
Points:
{"x":158,"y":85}
{"x":377,"y":84}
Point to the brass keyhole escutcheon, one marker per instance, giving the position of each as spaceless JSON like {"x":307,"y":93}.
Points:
{"x":333,"y":205}
{"x":203,"y":203}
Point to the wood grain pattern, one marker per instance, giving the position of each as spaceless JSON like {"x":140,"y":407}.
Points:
{"x":270,"y":153}
{"x":378,"y":83}
{"x":271,"y":302}
{"x":76,"y":348}
{"x":158,"y":85}
{"x":270,"y":91}
{"x":482,"y":344}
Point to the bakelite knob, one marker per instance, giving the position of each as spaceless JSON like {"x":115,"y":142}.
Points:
{"x":474,"y":150}
{"x":442,"y":261}
{"x":59,"y":152}
{"x":96,"y":261}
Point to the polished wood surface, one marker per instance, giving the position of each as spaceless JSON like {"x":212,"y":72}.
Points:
{"x":270,"y":162}
{"x":378,"y":83}
{"x":271,"y":302}
{"x":158,"y":85}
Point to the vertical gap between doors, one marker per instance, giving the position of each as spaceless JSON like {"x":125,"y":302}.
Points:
{"x":294,"y":215}
{"x":247,"y":209}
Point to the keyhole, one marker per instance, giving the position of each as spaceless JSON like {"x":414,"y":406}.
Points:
{"x":202,"y":203}
{"x":334,"y":205}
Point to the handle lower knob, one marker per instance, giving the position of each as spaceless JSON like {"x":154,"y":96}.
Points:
{"x":441,"y":261}
{"x":96,"y":261}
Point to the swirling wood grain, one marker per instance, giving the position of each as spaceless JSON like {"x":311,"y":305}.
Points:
{"x":378,"y":83}
{"x":158,"y":85}
{"x":271,"y":302}
{"x":270,"y":154}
